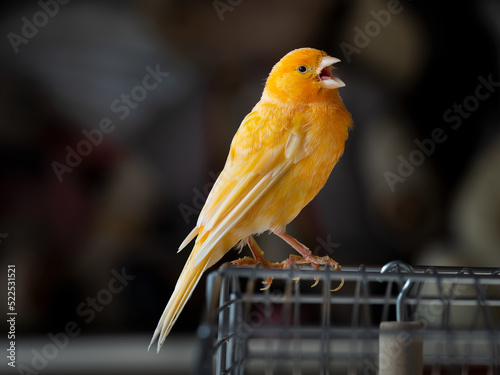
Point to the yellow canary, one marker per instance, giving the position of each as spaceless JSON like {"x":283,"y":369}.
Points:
{"x":280,"y":158}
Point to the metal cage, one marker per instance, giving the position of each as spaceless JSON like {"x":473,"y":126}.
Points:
{"x":292,"y":328}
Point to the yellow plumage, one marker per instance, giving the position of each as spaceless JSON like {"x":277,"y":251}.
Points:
{"x":280,"y":158}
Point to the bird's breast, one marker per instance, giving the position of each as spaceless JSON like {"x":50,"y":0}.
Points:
{"x":323,"y":142}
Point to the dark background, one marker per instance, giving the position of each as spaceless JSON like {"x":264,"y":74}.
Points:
{"x":131,"y":201}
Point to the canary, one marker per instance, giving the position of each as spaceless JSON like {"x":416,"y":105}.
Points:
{"x":280,"y":158}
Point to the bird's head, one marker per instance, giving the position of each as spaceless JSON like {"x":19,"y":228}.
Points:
{"x":303,"y":74}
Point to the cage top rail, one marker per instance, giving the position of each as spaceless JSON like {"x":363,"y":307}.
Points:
{"x":371,"y":273}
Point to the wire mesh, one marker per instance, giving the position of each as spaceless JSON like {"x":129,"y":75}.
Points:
{"x":292,"y":328}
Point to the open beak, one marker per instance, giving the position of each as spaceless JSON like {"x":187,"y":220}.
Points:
{"x":324,"y":73}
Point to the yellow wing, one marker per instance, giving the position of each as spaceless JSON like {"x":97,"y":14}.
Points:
{"x":261,"y":153}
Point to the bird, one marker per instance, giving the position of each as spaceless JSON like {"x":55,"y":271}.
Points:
{"x":279,"y":159}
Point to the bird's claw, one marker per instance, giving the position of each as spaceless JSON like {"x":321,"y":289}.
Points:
{"x":339,"y":287}
{"x":316,"y":282}
{"x":267,"y":283}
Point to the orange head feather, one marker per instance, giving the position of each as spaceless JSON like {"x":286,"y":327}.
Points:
{"x":302,"y":76}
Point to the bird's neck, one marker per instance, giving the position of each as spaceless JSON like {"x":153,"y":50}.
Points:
{"x":321,"y":97}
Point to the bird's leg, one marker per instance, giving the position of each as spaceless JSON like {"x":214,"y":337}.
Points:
{"x":307,"y":256}
{"x":258,"y":255}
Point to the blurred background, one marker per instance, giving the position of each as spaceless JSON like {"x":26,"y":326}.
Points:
{"x":116,"y":118}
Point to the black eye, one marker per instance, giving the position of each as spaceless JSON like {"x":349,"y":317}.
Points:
{"x":302,"y":68}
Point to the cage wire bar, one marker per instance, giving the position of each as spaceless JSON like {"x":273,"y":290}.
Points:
{"x":294,"y":329}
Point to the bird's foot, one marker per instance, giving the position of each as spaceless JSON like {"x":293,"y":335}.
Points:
{"x":307,"y":257}
{"x":315,"y":262}
{"x":258,"y":259}
{"x":247,"y":261}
